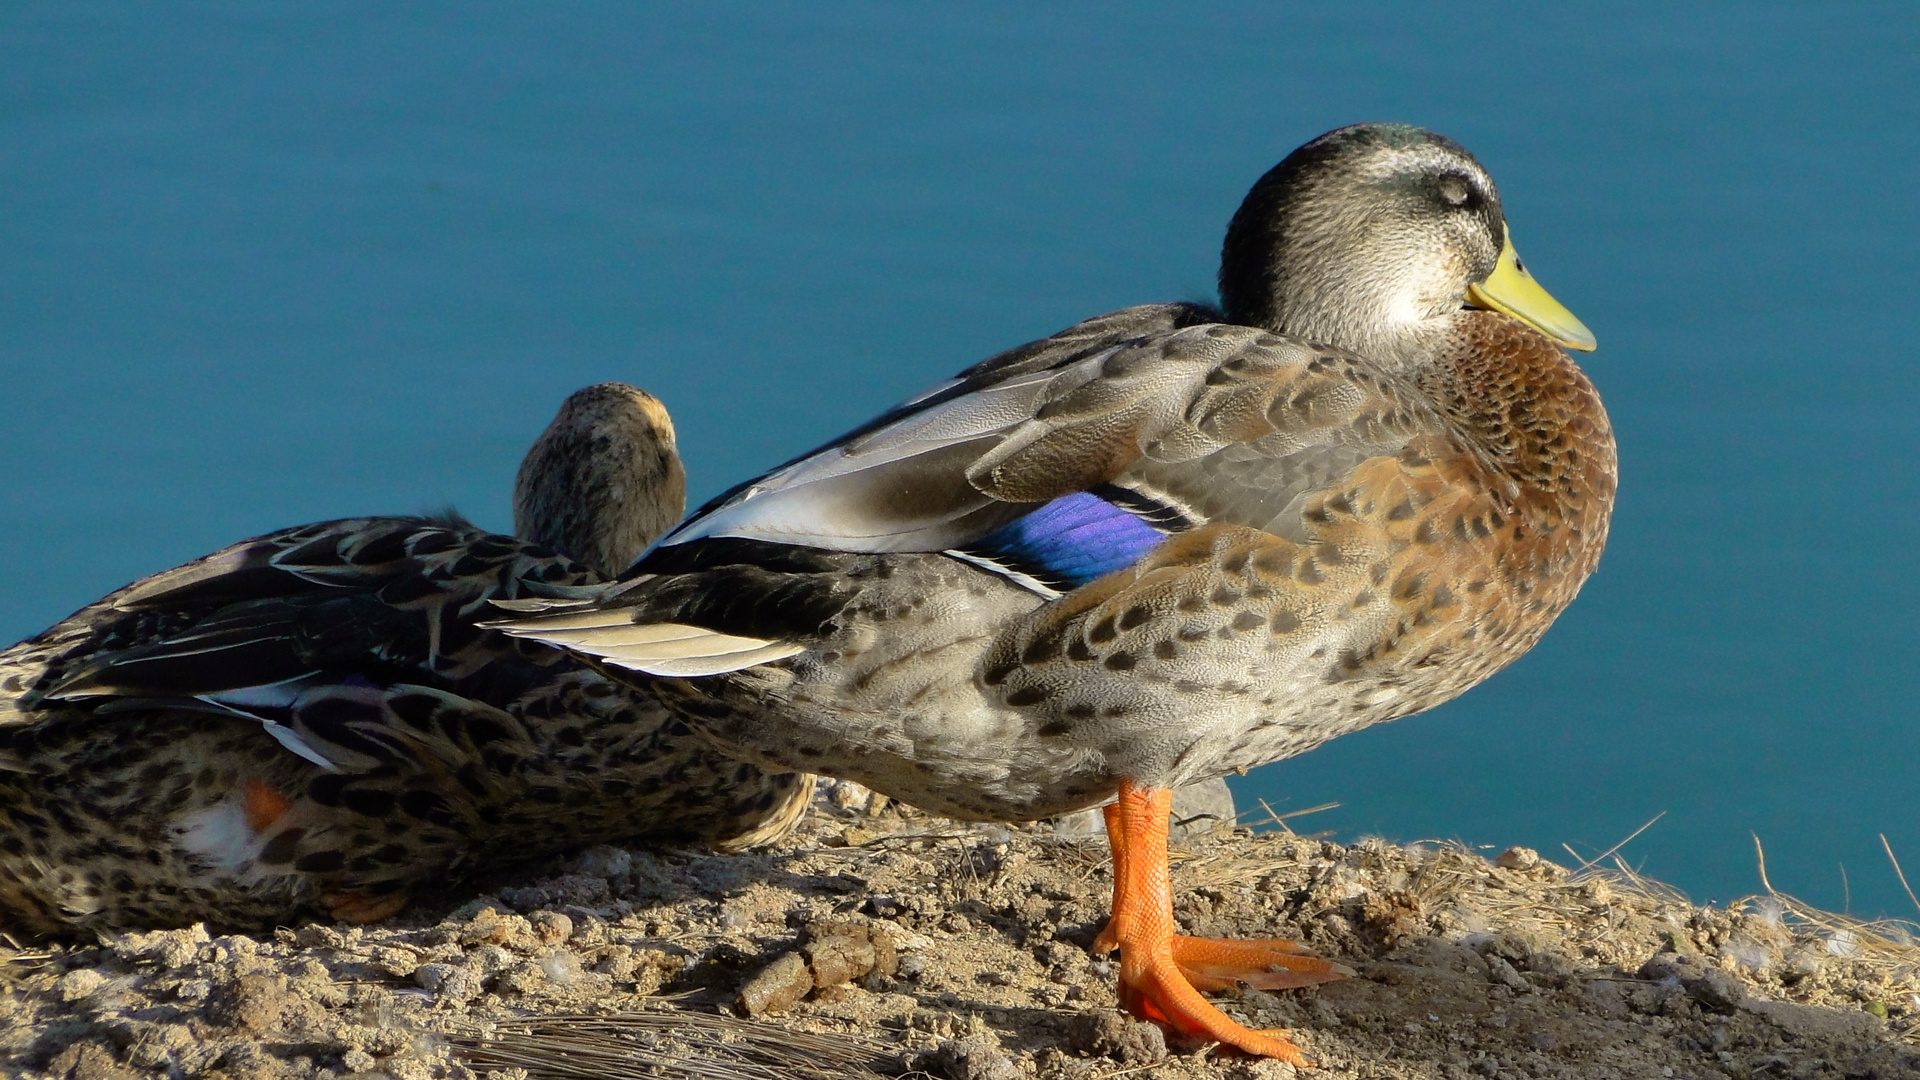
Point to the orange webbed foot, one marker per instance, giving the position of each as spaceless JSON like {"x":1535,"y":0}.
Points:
{"x":1162,"y":993}
{"x":1223,"y":963}
{"x":1161,"y":973}
{"x":1262,"y":963}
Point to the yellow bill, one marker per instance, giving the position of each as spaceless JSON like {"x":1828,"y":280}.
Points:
{"x":1510,"y":290}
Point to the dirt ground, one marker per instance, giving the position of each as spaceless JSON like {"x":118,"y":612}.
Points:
{"x":888,"y":943}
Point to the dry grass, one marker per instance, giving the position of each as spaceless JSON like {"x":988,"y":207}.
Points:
{"x":18,"y":960}
{"x":667,"y":1042}
{"x":1887,"y":948}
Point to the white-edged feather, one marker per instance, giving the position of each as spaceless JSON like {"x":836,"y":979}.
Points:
{"x":670,"y":649}
{"x":825,"y":500}
{"x":566,"y":598}
{"x":577,"y":619}
{"x":537,"y":605}
{"x":290,"y":739}
{"x":695,"y":667}
{"x":994,"y":566}
{"x":241,"y":701}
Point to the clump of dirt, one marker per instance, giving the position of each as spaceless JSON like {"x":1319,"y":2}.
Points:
{"x":881,"y":943}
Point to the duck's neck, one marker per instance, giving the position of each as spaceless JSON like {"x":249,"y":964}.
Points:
{"x":1515,"y":394}
{"x":1399,"y":333}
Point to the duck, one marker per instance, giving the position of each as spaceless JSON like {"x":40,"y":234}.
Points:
{"x":1167,"y":543}
{"x":309,"y":722}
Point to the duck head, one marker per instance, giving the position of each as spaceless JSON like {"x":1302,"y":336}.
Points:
{"x":1373,"y":238}
{"x":603,"y":480}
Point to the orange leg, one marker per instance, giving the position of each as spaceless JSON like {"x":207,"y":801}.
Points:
{"x":1161,"y":972}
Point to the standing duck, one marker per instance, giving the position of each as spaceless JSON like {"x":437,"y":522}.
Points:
{"x":1162,"y":545}
{"x":311,"y":719}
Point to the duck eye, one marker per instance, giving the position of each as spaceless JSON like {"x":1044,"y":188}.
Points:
{"x":1455,"y":190}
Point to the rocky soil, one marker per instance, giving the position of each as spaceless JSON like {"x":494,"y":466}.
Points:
{"x":877,"y":942}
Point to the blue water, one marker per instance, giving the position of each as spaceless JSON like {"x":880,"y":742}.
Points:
{"x":265,"y":263}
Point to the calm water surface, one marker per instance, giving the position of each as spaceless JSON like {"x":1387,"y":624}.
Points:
{"x":263,"y":264}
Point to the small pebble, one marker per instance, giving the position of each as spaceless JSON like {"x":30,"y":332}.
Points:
{"x":1110,"y":1034}
{"x":1517,"y":858}
{"x":79,"y":983}
{"x":778,"y":986}
{"x":976,"y":1057}
{"x":550,"y":927}
{"x":430,"y":976}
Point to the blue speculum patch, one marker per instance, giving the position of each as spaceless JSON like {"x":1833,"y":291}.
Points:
{"x":1071,"y":541}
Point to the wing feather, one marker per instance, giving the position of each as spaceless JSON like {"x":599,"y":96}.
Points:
{"x":1058,"y":465}
{"x":672,"y":649}
{"x":394,"y":597}
{"x":1232,"y":421}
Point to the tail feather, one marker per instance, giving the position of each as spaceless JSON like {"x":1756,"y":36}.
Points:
{"x":694,"y":667}
{"x":674,"y":650}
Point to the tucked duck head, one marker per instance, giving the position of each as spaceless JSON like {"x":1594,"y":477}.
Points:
{"x":603,"y":480}
{"x":1372,"y":237}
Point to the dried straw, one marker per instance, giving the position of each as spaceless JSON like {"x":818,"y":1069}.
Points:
{"x":666,"y":1043}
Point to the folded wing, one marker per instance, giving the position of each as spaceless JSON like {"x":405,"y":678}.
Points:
{"x":1055,"y":465}
{"x":1170,"y":427}
{"x":295,"y":625}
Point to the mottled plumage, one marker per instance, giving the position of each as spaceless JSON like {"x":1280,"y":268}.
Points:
{"x":311,"y":719}
{"x":603,"y":480}
{"x":1165,"y":544}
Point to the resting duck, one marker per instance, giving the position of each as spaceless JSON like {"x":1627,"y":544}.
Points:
{"x":312,"y":719}
{"x":1162,"y":545}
